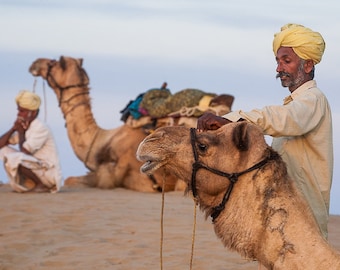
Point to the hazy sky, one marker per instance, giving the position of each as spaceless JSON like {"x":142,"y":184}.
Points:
{"x":129,"y":47}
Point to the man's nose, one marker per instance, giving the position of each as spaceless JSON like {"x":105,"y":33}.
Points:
{"x":278,"y":68}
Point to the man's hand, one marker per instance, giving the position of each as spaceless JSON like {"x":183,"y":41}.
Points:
{"x":210,"y":121}
{"x":21,"y":125}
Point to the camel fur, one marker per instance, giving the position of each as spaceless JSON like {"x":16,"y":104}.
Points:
{"x":108,"y":154}
{"x":265,"y":218}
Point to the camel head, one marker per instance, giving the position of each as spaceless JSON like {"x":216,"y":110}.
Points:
{"x":233,"y":148}
{"x":224,"y":149}
{"x":64,"y":74}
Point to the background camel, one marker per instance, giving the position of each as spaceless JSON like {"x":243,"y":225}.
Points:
{"x":108,"y":154}
{"x":262,"y":216}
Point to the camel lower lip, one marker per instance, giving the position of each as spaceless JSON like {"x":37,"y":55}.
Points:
{"x":148,"y":166}
{"x":34,"y":72}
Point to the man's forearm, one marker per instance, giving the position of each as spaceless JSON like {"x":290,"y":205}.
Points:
{"x":4,"y":139}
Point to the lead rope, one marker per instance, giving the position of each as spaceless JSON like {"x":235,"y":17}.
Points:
{"x":34,"y":84}
{"x":45,"y":102}
{"x":193,"y":234}
{"x":162,"y":228}
{"x":45,"y":99}
{"x":162,"y":223}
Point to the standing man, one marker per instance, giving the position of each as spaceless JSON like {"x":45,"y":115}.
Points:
{"x":302,"y":127}
{"x":35,"y":162}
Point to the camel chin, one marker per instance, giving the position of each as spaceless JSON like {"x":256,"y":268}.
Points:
{"x":34,"y":73}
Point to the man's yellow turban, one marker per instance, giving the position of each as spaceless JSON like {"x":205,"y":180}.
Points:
{"x":306,"y":43}
{"x":28,"y":100}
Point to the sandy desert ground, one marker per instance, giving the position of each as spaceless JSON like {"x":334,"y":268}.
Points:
{"x":83,"y":228}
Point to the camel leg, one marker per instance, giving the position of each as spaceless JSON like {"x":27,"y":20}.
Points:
{"x":88,"y":180}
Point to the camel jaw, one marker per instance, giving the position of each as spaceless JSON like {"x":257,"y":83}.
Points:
{"x":33,"y":71}
{"x":153,"y":157}
{"x":150,"y":164}
{"x":39,"y":67}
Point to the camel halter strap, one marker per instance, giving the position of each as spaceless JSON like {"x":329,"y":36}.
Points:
{"x":232,"y":177}
{"x":62,"y":88}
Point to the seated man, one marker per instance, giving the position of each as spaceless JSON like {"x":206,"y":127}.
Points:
{"x":34,"y":166}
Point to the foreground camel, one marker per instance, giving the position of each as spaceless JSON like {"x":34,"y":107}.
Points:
{"x":240,"y":182}
{"x":108,"y":154}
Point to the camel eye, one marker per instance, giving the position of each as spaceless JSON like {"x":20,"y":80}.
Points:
{"x":52,"y":63}
{"x":202,"y":147}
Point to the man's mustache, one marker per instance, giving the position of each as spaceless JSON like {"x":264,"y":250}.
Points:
{"x":281,"y":73}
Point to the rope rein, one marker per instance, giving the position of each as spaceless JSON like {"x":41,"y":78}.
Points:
{"x":45,"y":99}
{"x":162,"y":229}
{"x":193,"y":235}
{"x":51,"y":80}
{"x":162,"y":224}
{"x":45,"y":103}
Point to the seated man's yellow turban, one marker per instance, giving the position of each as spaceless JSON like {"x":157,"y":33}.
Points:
{"x":306,"y":43}
{"x":28,"y":100}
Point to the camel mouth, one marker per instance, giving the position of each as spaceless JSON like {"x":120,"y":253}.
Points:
{"x":33,"y":71}
{"x":150,"y":165}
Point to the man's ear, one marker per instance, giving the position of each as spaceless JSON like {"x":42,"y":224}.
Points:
{"x":35,"y":114}
{"x":309,"y":65}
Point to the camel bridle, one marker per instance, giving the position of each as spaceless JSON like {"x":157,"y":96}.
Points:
{"x":232,"y":177}
{"x":51,"y":80}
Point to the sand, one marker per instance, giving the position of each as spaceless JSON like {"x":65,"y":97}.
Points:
{"x":84,"y":228}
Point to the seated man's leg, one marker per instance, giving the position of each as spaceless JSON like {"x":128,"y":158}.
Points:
{"x":27,"y":173}
{"x":5,"y":151}
{"x":30,"y":168}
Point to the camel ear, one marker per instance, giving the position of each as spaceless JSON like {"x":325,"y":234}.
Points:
{"x":62,"y":62}
{"x":240,"y":136}
{"x":80,"y":61}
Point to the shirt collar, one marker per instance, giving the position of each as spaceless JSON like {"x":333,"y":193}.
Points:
{"x":307,"y":85}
